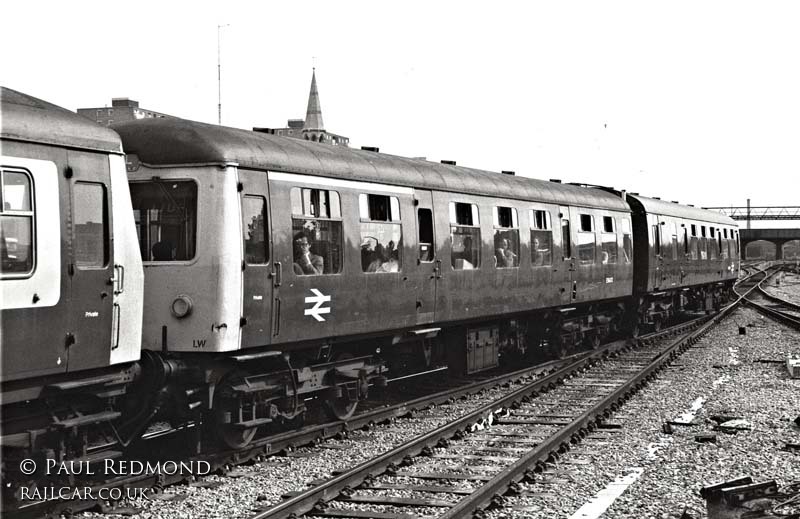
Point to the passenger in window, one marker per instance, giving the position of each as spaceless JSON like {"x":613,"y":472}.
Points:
{"x":604,"y":258}
{"x":305,"y":262}
{"x":538,"y":254}
{"x":463,"y":260}
{"x":163,"y":251}
{"x":503,"y":256}
{"x":386,"y":259}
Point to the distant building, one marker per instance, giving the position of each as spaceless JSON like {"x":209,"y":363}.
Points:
{"x":312,"y":128}
{"x":121,"y":109}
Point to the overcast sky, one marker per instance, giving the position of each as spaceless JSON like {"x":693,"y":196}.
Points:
{"x":691,"y":101}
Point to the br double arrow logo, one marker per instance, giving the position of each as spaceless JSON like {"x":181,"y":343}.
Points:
{"x":317,"y":310}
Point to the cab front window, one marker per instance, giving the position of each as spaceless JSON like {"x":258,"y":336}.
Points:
{"x":165,"y":212}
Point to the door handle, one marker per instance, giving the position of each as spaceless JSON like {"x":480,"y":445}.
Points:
{"x":118,"y":279}
{"x":437,"y":270}
{"x":277,"y":274}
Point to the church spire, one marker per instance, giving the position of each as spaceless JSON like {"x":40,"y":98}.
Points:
{"x":314,"y":110}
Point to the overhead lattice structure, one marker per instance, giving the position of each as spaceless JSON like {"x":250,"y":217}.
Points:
{"x":760,"y":212}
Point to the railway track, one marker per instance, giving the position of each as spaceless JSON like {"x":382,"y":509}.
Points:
{"x":167,"y":442}
{"x":471,"y":461}
{"x":753,"y":293}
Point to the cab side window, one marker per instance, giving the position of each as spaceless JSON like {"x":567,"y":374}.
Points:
{"x":316,"y":231}
{"x":465,"y":236}
{"x":506,"y":237}
{"x":17,"y":249}
{"x":381,"y":233}
{"x":541,"y":238}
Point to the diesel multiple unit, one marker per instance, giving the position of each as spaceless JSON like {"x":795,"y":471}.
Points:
{"x":230,"y":278}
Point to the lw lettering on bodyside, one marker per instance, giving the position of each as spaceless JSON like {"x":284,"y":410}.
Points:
{"x":198,"y":343}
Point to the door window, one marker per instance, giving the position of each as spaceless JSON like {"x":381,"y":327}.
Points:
{"x":254,"y":230}
{"x":90,"y":225}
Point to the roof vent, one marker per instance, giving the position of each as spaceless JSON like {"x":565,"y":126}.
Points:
{"x":675,"y":202}
{"x":373,"y":149}
{"x":449,"y":162}
{"x":507,"y":172}
{"x":556,"y":180}
{"x":634,"y":194}
{"x":270,"y":131}
{"x":690,"y":205}
{"x":656,"y":198}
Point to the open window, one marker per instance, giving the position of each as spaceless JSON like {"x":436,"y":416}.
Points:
{"x":608,"y":241}
{"x":465,"y":236}
{"x":506,"y":237}
{"x":316,"y":232}
{"x":586,"y":240}
{"x":381,"y":233}
{"x":541,"y":238}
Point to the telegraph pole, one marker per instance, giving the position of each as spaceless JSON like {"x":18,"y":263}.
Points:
{"x":219,"y":76}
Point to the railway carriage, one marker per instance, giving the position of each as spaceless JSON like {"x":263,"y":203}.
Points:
{"x":414,"y":264}
{"x":686,"y":257}
{"x":70,"y":279}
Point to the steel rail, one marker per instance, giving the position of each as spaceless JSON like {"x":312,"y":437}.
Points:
{"x":330,"y":489}
{"x":577,"y":429}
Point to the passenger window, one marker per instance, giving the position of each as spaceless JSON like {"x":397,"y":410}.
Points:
{"x":166,"y":219}
{"x":627,"y":240}
{"x":254,"y":229}
{"x":586,"y":240}
{"x":465,"y":236}
{"x":381,"y":241}
{"x":656,"y":239}
{"x":16,"y":225}
{"x":506,"y":237}
{"x":316,"y":232}
{"x":90,"y":224}
{"x":674,"y":241}
{"x":425,"y":227}
{"x":318,"y":203}
{"x":608,"y":242}
{"x":685,"y":241}
{"x":723,"y":246}
{"x":541,"y":238}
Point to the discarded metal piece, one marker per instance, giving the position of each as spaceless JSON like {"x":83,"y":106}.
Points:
{"x":791,"y":447}
{"x":739,"y":494}
{"x":666,"y":428}
{"x":705,"y":438}
{"x":735,"y":425}
{"x":793,"y":365}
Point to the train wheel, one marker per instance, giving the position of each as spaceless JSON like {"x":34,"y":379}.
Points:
{"x":341,"y":404}
{"x":342,"y":407}
{"x":226,"y":412}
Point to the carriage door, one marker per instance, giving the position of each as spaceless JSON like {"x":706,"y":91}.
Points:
{"x":429,"y":267}
{"x":657,"y":253}
{"x":257,"y":282}
{"x":567,"y":274}
{"x":91,"y":268}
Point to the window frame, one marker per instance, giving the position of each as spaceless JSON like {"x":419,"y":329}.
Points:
{"x":302,"y":216}
{"x":31,"y":214}
{"x":267,"y":257}
{"x":106,"y":227}
{"x":196,"y":235}
{"x":393,"y":203}
{"x":453,"y":223}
